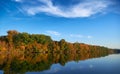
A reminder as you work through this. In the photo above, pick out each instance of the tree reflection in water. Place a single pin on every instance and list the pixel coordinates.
(28, 62)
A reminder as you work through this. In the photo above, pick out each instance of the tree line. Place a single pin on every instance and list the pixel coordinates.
(23, 52)
(34, 43)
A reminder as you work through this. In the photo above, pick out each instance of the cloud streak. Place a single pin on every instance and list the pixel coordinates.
(89, 37)
(76, 35)
(82, 9)
(80, 36)
(18, 0)
(53, 33)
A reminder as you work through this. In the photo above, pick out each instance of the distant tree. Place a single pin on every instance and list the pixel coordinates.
(63, 44)
(11, 33)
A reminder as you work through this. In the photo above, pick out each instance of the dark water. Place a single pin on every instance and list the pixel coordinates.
(61, 64)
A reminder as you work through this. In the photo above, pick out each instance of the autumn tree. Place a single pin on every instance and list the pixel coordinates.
(63, 44)
(11, 33)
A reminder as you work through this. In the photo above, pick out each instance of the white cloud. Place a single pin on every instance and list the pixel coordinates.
(84, 9)
(89, 37)
(53, 33)
(80, 36)
(18, 0)
(76, 35)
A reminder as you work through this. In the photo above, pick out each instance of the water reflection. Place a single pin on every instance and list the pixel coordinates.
(44, 63)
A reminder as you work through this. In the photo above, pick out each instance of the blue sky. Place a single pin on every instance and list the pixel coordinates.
(93, 22)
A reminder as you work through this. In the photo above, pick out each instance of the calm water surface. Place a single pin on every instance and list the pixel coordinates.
(101, 65)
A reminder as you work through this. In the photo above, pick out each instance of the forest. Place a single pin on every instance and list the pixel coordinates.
(16, 42)
(23, 52)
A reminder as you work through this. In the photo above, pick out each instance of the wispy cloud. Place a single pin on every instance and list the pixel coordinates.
(18, 0)
(80, 36)
(82, 9)
(53, 33)
(89, 37)
(76, 35)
